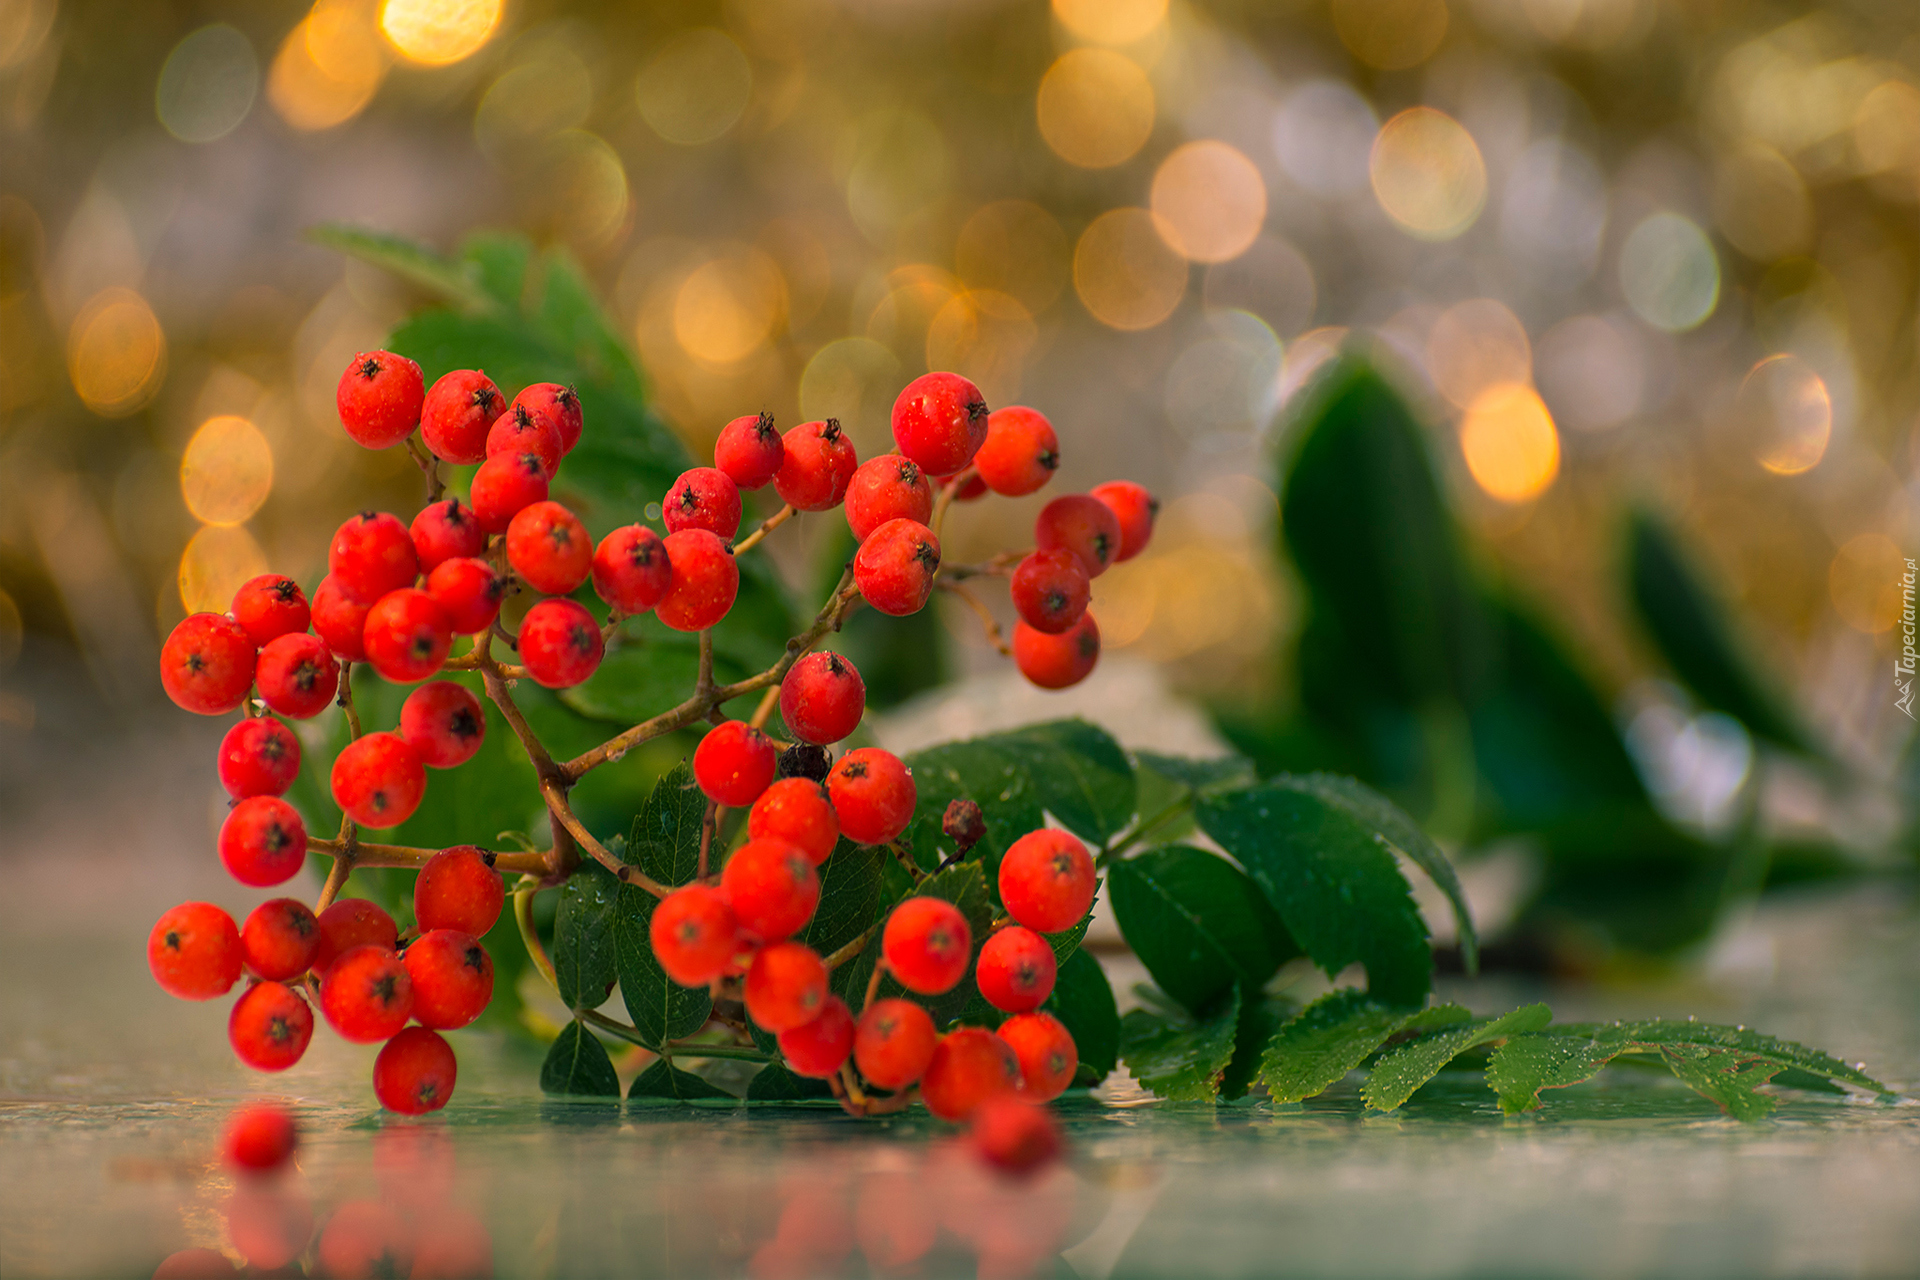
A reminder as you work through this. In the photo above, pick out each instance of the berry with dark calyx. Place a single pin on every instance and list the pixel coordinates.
(379, 398)
(786, 986)
(749, 450)
(560, 643)
(470, 592)
(703, 498)
(631, 571)
(452, 977)
(927, 945)
(263, 842)
(1021, 452)
(818, 1049)
(704, 584)
(297, 675)
(1050, 590)
(772, 888)
(207, 664)
(270, 606)
(506, 484)
(280, 939)
(459, 889)
(270, 1026)
(260, 1137)
(519, 430)
(1045, 1051)
(446, 530)
(964, 824)
(258, 757)
(549, 548)
(968, 1067)
(457, 413)
(340, 619)
(1016, 970)
(873, 795)
(415, 1072)
(895, 566)
(371, 554)
(693, 931)
(1047, 880)
(893, 1043)
(889, 487)
(804, 760)
(1083, 525)
(194, 951)
(734, 763)
(366, 994)
(378, 780)
(822, 698)
(816, 465)
(1014, 1135)
(1135, 509)
(940, 421)
(558, 404)
(1057, 662)
(796, 810)
(350, 923)
(408, 635)
(444, 723)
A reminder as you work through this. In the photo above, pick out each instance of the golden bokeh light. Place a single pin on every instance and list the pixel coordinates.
(915, 293)
(1508, 439)
(695, 88)
(328, 68)
(24, 27)
(854, 380)
(581, 187)
(898, 165)
(1208, 201)
(1095, 107)
(1761, 204)
(1669, 272)
(217, 563)
(1785, 413)
(1305, 356)
(546, 93)
(728, 308)
(1475, 344)
(1886, 134)
(1015, 247)
(1428, 174)
(1110, 21)
(1864, 582)
(1124, 272)
(987, 336)
(1198, 588)
(437, 32)
(116, 353)
(227, 471)
(1391, 35)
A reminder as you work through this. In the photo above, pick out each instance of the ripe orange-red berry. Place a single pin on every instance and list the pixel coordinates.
(895, 567)
(270, 606)
(415, 1073)
(796, 810)
(452, 977)
(378, 780)
(893, 1043)
(889, 487)
(734, 763)
(280, 939)
(206, 665)
(459, 410)
(560, 643)
(816, 465)
(270, 1026)
(1083, 525)
(1045, 1051)
(520, 430)
(366, 994)
(1021, 452)
(940, 421)
(408, 635)
(819, 1047)
(822, 698)
(772, 888)
(371, 554)
(194, 951)
(350, 923)
(259, 1138)
(470, 591)
(1047, 880)
(786, 986)
(1134, 508)
(459, 889)
(1016, 970)
(693, 933)
(297, 676)
(968, 1066)
(444, 723)
(702, 498)
(263, 841)
(549, 548)
(749, 450)
(560, 405)
(927, 945)
(446, 530)
(340, 619)
(379, 398)
(704, 583)
(506, 484)
(1057, 662)
(872, 793)
(631, 570)
(1050, 591)
(258, 757)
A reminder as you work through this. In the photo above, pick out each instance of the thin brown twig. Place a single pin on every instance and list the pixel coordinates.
(708, 824)
(852, 950)
(399, 855)
(766, 527)
(999, 566)
(873, 988)
(948, 492)
(523, 917)
(563, 813)
(996, 637)
(429, 467)
(703, 678)
(764, 712)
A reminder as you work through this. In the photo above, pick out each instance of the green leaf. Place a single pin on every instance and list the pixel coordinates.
(1198, 923)
(456, 282)
(1260, 1017)
(499, 262)
(1083, 1001)
(1083, 777)
(1200, 775)
(1723, 1076)
(577, 1064)
(850, 897)
(775, 1083)
(584, 930)
(1395, 1077)
(1526, 1064)
(665, 842)
(1331, 1037)
(647, 671)
(664, 1082)
(1179, 1057)
(1654, 1033)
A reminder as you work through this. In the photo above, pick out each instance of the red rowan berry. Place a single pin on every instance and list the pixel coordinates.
(772, 888)
(446, 530)
(893, 1043)
(895, 566)
(549, 548)
(872, 794)
(280, 939)
(817, 463)
(520, 430)
(560, 643)
(194, 951)
(444, 723)
(1016, 970)
(195, 1264)
(734, 763)
(263, 841)
(260, 1138)
(408, 635)
(1047, 880)
(258, 757)
(1045, 1051)
(350, 923)
(270, 1026)
(786, 986)
(822, 698)
(705, 581)
(818, 1048)
(1014, 1135)
(971, 490)
(693, 931)
(1050, 590)
(796, 810)
(459, 889)
(1135, 509)
(1021, 452)
(297, 675)
(457, 413)
(452, 977)
(340, 620)
(631, 571)
(378, 780)
(703, 498)
(372, 554)
(927, 945)
(940, 421)
(560, 405)
(270, 606)
(968, 1067)
(1057, 662)
(889, 487)
(470, 592)
(379, 398)
(414, 1074)
(366, 994)
(207, 664)
(1083, 525)
(749, 450)
(364, 1238)
(504, 485)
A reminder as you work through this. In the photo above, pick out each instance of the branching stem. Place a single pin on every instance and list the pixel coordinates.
(995, 636)
(766, 527)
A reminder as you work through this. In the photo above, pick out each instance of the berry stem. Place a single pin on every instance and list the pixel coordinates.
(557, 805)
(906, 861)
(1000, 566)
(947, 493)
(764, 712)
(738, 1052)
(703, 680)
(1127, 839)
(873, 987)
(530, 936)
(707, 825)
(995, 636)
(852, 949)
(766, 527)
(429, 467)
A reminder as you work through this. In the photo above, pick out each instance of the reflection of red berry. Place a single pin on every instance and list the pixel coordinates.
(1050, 591)
(749, 450)
(893, 1043)
(263, 841)
(1056, 662)
(549, 548)
(450, 1244)
(379, 398)
(260, 1137)
(889, 487)
(927, 945)
(194, 951)
(447, 530)
(894, 567)
(459, 889)
(470, 591)
(415, 1073)
(1135, 509)
(822, 698)
(1021, 452)
(194, 1264)
(364, 1238)
(940, 421)
(872, 794)
(371, 554)
(818, 1048)
(297, 675)
(280, 939)
(270, 1224)
(270, 1026)
(444, 723)
(1014, 1135)
(817, 463)
(560, 643)
(631, 570)
(1016, 970)
(519, 430)
(702, 498)
(452, 977)
(559, 404)
(968, 1066)
(704, 584)
(1046, 1053)
(772, 888)
(734, 763)
(340, 620)
(206, 664)
(693, 934)
(457, 413)
(269, 606)
(786, 986)
(258, 757)
(350, 923)
(1083, 525)
(378, 780)
(1047, 880)
(366, 994)
(408, 635)
(796, 810)
(504, 484)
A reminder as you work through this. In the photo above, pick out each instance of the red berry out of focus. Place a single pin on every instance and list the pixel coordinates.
(873, 795)
(822, 698)
(889, 487)
(1045, 1051)
(560, 405)
(260, 1138)
(631, 570)
(366, 994)
(1134, 508)
(703, 498)
(772, 888)
(549, 548)
(194, 951)
(457, 413)
(206, 665)
(470, 591)
(1014, 1135)
(1047, 880)
(893, 1043)
(1057, 662)
(452, 977)
(560, 643)
(297, 675)
(940, 421)
(415, 1072)
(341, 620)
(443, 722)
(817, 463)
(446, 530)
(371, 554)
(270, 606)
(520, 430)
(927, 945)
(818, 1048)
(1050, 591)
(1016, 970)
(693, 931)
(786, 986)
(734, 763)
(749, 450)
(280, 939)
(270, 1026)
(796, 810)
(968, 1067)
(263, 842)
(379, 398)
(1083, 525)
(350, 923)
(378, 780)
(505, 484)
(459, 889)
(704, 583)
(408, 635)
(258, 757)
(1021, 452)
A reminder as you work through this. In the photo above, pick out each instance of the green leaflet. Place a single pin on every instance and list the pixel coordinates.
(1652, 1033)
(850, 897)
(1200, 775)
(1526, 1064)
(577, 1064)
(583, 936)
(1724, 1076)
(666, 845)
(1334, 1035)
(964, 885)
(774, 1083)
(1198, 923)
(1395, 1077)
(1178, 1057)
(648, 671)
(1260, 1018)
(664, 1082)
(457, 282)
(1083, 1001)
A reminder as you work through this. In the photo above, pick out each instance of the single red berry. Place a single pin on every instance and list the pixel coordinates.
(340, 619)
(260, 1137)
(1057, 662)
(452, 977)
(560, 643)
(297, 675)
(504, 485)
(207, 663)
(704, 583)
(893, 1043)
(350, 923)
(549, 548)
(894, 567)
(822, 698)
(258, 757)
(1016, 970)
(520, 430)
(873, 795)
(631, 571)
(366, 994)
(378, 780)
(263, 841)
(1021, 452)
(365, 1238)
(372, 554)
(1014, 1135)
(1050, 590)
(734, 763)
(1045, 1051)
(379, 398)
(270, 1026)
(796, 810)
(280, 939)
(414, 1074)
(459, 889)
(889, 487)
(194, 951)
(444, 723)
(749, 450)
(703, 498)
(927, 945)
(818, 1049)
(817, 462)
(446, 530)
(408, 635)
(470, 592)
(270, 606)
(1083, 525)
(693, 932)
(1135, 509)
(940, 421)
(968, 1066)
(559, 405)
(772, 888)
(786, 986)
(457, 413)
(1047, 880)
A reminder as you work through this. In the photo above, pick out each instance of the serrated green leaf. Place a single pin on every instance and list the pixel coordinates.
(1652, 1033)
(647, 671)
(1198, 923)
(1395, 1077)
(577, 1064)
(584, 929)
(1200, 775)
(1082, 1000)
(1180, 1058)
(1526, 1064)
(1331, 1037)
(850, 902)
(1260, 1017)
(664, 1082)
(500, 263)
(456, 282)
(665, 842)
(1723, 1076)
(1067, 941)
(661, 1008)
(775, 1083)
(1082, 776)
